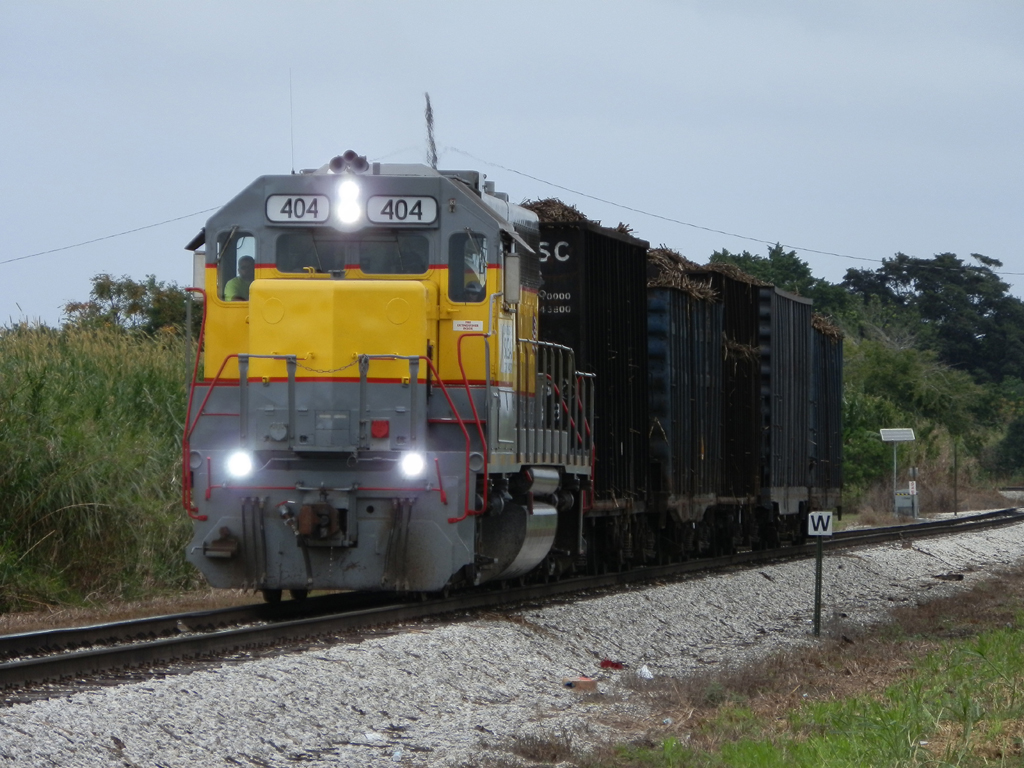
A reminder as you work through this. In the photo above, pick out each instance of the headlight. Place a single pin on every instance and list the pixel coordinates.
(412, 464)
(239, 464)
(348, 202)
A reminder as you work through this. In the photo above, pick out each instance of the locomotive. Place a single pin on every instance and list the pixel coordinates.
(421, 385)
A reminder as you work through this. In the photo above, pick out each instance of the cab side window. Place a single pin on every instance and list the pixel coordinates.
(236, 265)
(467, 267)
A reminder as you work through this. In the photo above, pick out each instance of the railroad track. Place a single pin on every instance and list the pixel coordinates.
(40, 657)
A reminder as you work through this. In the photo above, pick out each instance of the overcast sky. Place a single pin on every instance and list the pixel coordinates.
(857, 128)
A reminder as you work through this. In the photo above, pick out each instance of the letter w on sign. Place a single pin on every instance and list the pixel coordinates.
(819, 524)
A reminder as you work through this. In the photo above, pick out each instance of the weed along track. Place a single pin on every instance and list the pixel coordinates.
(77, 653)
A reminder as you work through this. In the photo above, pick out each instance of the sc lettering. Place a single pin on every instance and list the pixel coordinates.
(561, 251)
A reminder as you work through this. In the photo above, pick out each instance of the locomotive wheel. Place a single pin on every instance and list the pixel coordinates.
(298, 594)
(272, 596)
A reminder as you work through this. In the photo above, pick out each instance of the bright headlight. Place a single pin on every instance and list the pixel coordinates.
(239, 464)
(348, 190)
(349, 210)
(412, 464)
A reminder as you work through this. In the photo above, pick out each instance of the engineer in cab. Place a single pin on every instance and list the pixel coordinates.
(237, 288)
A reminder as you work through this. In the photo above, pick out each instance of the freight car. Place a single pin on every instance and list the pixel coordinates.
(763, 440)
(421, 385)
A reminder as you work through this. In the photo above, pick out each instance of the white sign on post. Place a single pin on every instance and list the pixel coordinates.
(819, 524)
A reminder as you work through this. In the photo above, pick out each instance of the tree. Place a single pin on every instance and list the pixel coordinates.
(1009, 452)
(918, 385)
(146, 307)
(964, 312)
(886, 386)
(785, 270)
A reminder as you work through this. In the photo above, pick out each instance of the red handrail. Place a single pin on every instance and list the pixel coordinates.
(440, 482)
(476, 416)
(209, 391)
(186, 483)
(466, 511)
(190, 427)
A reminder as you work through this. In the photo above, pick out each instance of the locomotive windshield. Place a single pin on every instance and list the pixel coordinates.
(377, 253)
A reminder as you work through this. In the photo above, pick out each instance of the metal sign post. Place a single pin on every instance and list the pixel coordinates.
(895, 436)
(819, 525)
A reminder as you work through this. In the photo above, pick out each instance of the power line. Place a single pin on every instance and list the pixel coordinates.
(680, 221)
(533, 178)
(107, 237)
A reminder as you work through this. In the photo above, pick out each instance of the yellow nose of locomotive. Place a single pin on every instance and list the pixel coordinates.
(328, 324)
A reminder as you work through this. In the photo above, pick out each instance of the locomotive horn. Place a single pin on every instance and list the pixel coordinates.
(350, 160)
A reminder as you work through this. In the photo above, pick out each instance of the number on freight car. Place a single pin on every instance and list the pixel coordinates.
(382, 209)
(549, 305)
(298, 208)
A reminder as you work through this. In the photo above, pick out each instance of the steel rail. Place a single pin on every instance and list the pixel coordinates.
(191, 646)
(52, 640)
(148, 628)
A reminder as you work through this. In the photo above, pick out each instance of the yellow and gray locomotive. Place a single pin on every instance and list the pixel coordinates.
(375, 409)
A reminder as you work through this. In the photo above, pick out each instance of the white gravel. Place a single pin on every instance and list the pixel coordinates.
(453, 695)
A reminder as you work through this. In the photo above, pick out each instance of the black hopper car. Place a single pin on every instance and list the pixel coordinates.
(718, 418)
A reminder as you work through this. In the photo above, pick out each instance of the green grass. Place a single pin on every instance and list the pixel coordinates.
(952, 710)
(942, 684)
(962, 704)
(90, 423)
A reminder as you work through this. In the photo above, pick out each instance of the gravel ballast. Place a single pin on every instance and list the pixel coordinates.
(453, 694)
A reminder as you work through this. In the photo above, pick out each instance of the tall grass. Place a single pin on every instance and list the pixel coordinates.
(90, 421)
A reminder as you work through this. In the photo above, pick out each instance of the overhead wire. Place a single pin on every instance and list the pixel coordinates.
(685, 223)
(456, 150)
(107, 237)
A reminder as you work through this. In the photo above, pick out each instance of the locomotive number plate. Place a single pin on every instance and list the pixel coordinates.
(298, 208)
(384, 209)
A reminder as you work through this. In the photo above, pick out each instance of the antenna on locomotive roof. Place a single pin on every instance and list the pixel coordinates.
(291, 117)
(431, 146)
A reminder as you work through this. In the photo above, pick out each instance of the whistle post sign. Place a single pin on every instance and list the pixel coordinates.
(819, 524)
